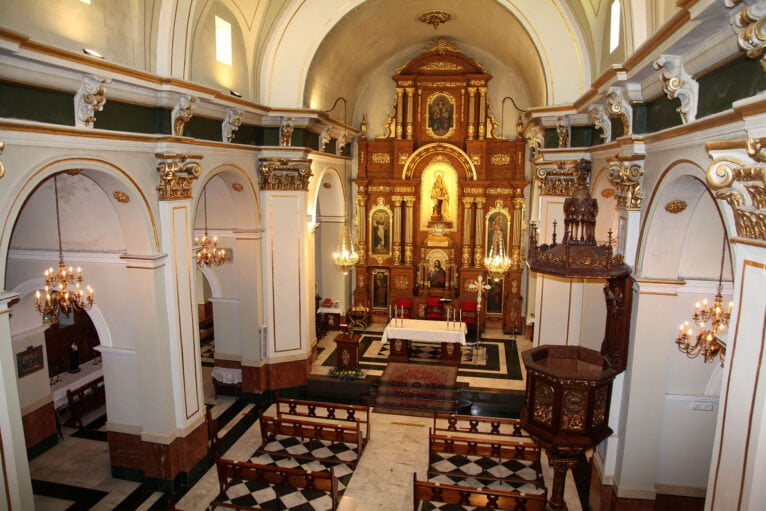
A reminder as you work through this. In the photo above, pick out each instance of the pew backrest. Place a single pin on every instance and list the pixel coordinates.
(334, 432)
(478, 497)
(321, 410)
(496, 448)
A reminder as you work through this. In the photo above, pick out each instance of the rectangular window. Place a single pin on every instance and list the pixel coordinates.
(614, 26)
(222, 41)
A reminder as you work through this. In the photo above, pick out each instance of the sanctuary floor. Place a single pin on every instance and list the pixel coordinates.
(497, 366)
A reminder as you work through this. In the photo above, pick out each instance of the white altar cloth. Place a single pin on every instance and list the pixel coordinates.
(330, 310)
(228, 375)
(89, 372)
(425, 331)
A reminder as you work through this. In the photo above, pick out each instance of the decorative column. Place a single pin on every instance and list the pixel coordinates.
(399, 111)
(467, 221)
(518, 219)
(15, 466)
(410, 101)
(478, 252)
(397, 237)
(286, 286)
(361, 227)
(471, 108)
(626, 173)
(482, 111)
(408, 230)
(177, 418)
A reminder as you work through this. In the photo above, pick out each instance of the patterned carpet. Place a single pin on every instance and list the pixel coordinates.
(416, 389)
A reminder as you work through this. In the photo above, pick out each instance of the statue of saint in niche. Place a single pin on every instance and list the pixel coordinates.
(438, 277)
(381, 229)
(440, 196)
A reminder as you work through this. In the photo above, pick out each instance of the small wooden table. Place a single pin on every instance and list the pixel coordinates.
(347, 352)
(450, 335)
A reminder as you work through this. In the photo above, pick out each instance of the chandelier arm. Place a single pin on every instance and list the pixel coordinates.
(58, 219)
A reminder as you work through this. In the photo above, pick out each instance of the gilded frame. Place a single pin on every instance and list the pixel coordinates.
(428, 112)
(380, 212)
(379, 284)
(498, 213)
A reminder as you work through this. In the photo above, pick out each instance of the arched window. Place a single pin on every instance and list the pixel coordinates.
(222, 41)
(614, 26)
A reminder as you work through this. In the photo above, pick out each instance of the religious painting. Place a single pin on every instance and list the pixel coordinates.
(441, 115)
(437, 276)
(495, 296)
(380, 230)
(438, 195)
(498, 223)
(30, 360)
(380, 289)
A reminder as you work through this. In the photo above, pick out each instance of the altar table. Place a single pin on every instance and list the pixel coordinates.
(400, 332)
(90, 371)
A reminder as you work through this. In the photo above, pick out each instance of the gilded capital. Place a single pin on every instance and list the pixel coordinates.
(467, 201)
(627, 176)
(396, 200)
(410, 201)
(177, 174)
(284, 173)
(480, 201)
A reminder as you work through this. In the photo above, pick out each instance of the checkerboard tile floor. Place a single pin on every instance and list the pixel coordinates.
(432, 353)
(479, 471)
(262, 495)
(325, 450)
(441, 506)
(341, 471)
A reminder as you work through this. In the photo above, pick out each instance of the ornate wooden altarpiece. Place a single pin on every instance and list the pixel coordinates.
(437, 190)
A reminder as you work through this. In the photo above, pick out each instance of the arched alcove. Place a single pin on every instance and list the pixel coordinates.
(330, 216)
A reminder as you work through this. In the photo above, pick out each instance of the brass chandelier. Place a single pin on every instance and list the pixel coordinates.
(345, 256)
(208, 253)
(711, 320)
(57, 298)
(497, 262)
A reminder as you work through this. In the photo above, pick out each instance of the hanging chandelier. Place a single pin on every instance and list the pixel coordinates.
(345, 256)
(711, 320)
(208, 253)
(57, 298)
(497, 262)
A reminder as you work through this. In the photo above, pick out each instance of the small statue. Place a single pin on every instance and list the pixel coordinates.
(363, 128)
(563, 131)
(440, 197)
(286, 132)
(74, 358)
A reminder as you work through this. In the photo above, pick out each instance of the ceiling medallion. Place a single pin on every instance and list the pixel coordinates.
(237, 187)
(607, 193)
(435, 17)
(675, 206)
(327, 185)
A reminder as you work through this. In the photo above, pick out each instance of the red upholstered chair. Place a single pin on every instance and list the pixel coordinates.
(469, 314)
(405, 303)
(433, 308)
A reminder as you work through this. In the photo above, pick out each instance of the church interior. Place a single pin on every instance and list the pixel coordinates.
(383, 255)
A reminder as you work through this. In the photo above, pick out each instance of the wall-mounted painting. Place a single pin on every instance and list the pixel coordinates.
(380, 230)
(379, 289)
(441, 115)
(29, 360)
(495, 297)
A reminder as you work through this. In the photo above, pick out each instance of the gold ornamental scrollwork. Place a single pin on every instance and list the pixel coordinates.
(441, 66)
(284, 174)
(738, 177)
(500, 159)
(380, 158)
(177, 174)
(121, 197)
(676, 206)
(626, 176)
(401, 282)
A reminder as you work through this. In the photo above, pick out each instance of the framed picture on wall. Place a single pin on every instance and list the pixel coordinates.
(29, 360)
(495, 296)
(380, 289)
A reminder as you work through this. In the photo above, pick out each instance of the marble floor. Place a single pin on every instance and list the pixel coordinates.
(326, 346)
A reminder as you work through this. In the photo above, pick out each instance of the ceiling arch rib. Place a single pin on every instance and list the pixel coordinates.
(355, 36)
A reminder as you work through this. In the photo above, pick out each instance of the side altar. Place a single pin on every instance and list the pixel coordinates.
(437, 192)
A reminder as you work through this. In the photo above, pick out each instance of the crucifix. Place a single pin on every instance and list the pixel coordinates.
(480, 288)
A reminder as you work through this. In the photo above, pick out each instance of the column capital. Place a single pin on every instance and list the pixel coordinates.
(467, 201)
(284, 173)
(410, 201)
(396, 200)
(177, 175)
(480, 201)
(626, 174)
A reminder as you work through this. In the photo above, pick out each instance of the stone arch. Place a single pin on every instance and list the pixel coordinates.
(333, 196)
(665, 235)
(141, 237)
(248, 211)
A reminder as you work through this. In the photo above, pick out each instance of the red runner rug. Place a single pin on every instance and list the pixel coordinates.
(416, 389)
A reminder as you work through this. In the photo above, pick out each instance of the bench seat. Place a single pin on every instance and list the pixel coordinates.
(262, 495)
(341, 471)
(484, 467)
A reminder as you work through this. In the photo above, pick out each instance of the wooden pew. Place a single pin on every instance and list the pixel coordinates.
(453, 423)
(330, 411)
(235, 472)
(495, 448)
(84, 399)
(306, 429)
(424, 491)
